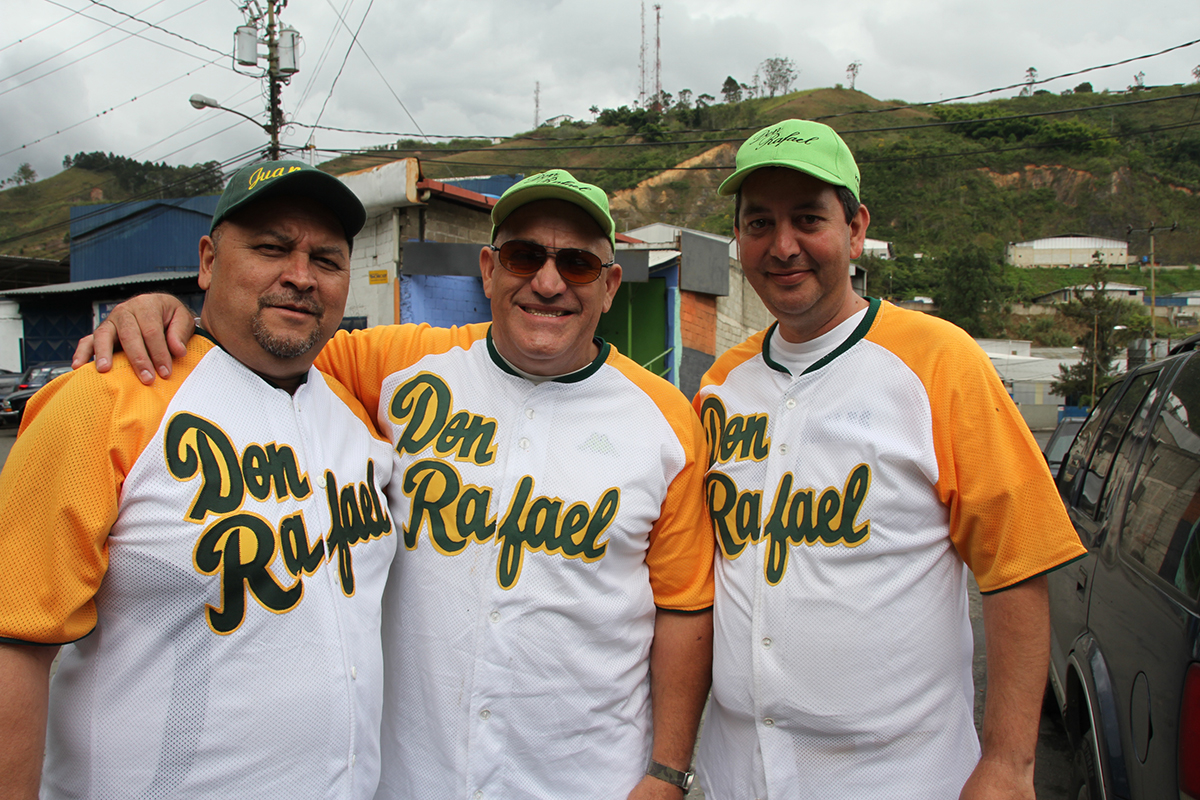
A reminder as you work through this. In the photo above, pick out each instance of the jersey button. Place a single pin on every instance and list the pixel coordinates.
(783, 449)
(321, 481)
(770, 723)
(485, 714)
(767, 642)
(353, 673)
(529, 413)
(790, 403)
(524, 443)
(478, 795)
(494, 616)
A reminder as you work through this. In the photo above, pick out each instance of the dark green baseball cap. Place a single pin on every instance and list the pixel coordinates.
(556, 184)
(265, 179)
(799, 144)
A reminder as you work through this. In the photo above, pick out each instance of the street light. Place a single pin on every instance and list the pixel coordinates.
(200, 101)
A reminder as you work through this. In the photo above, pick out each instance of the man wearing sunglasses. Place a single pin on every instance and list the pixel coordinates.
(547, 623)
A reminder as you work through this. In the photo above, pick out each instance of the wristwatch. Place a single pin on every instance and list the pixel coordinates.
(672, 776)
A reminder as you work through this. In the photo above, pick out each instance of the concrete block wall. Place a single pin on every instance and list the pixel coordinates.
(454, 223)
(740, 313)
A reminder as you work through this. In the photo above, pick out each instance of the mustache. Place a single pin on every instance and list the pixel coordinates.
(295, 299)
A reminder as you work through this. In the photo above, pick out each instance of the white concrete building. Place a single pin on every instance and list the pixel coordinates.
(1070, 250)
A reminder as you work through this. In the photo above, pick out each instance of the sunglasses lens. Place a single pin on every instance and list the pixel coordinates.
(577, 266)
(522, 258)
(526, 258)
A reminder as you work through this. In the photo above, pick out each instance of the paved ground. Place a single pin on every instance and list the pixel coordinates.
(1053, 755)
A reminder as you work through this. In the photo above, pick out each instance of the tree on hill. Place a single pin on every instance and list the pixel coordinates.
(24, 176)
(778, 75)
(1109, 325)
(973, 289)
(1084, 88)
(148, 178)
(731, 90)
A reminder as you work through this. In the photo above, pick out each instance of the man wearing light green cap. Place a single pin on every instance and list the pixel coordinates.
(547, 624)
(862, 459)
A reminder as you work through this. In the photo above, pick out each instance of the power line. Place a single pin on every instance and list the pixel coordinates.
(105, 47)
(164, 30)
(861, 160)
(847, 132)
(99, 114)
(39, 31)
(376, 68)
(345, 58)
(108, 26)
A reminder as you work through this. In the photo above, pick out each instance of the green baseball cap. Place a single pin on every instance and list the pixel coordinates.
(799, 144)
(272, 178)
(556, 184)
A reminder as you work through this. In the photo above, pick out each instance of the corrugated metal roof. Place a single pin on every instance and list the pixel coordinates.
(1073, 242)
(100, 283)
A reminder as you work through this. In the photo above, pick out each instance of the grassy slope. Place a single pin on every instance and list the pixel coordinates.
(929, 189)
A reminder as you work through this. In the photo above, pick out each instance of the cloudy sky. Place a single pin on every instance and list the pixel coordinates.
(77, 75)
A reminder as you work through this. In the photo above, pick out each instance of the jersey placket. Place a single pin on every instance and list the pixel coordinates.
(787, 421)
(318, 522)
(524, 452)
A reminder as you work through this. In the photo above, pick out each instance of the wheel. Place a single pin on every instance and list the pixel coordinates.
(1085, 776)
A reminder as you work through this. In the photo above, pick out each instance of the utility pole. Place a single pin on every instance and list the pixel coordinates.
(537, 103)
(1129, 231)
(273, 83)
(262, 28)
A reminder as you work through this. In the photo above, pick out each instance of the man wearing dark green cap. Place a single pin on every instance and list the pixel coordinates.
(863, 458)
(188, 547)
(547, 626)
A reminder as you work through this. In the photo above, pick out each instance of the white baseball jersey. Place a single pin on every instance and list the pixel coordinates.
(846, 501)
(542, 523)
(216, 550)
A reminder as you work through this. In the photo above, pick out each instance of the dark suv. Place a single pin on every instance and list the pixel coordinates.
(1124, 646)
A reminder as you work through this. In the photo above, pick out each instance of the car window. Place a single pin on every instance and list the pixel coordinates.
(1064, 434)
(1160, 530)
(1096, 474)
(1082, 447)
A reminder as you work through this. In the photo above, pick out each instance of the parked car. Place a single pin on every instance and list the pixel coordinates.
(1125, 657)
(12, 405)
(9, 380)
(1060, 440)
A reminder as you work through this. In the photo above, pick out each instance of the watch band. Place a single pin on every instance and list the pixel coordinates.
(672, 776)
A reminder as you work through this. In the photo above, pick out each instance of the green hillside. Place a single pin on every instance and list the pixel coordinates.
(935, 178)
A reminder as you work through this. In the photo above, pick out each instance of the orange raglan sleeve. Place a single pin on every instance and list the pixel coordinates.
(680, 555)
(1006, 519)
(60, 494)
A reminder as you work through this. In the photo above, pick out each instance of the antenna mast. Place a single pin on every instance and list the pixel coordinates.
(657, 57)
(537, 103)
(642, 63)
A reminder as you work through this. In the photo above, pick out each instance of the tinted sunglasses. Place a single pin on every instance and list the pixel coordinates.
(578, 267)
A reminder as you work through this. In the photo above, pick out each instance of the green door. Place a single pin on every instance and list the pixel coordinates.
(637, 323)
